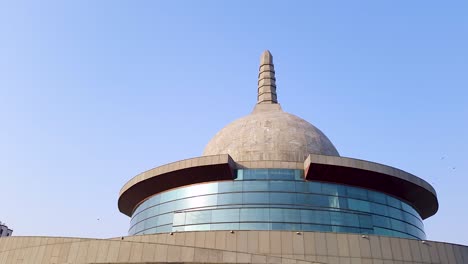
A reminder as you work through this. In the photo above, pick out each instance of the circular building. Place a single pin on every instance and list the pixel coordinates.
(272, 170)
(269, 188)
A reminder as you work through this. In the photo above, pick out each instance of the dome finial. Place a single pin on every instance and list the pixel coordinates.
(266, 80)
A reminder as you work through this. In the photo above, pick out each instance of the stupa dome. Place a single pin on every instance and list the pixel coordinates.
(269, 133)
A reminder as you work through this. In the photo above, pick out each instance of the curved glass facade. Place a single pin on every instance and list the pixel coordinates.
(276, 199)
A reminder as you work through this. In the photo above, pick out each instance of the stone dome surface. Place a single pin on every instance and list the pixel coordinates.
(270, 135)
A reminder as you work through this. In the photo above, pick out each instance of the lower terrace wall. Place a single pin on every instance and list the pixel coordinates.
(226, 247)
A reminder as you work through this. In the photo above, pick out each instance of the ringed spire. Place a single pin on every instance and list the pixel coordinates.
(266, 80)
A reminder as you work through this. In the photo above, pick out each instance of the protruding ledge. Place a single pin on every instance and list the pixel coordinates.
(173, 175)
(370, 175)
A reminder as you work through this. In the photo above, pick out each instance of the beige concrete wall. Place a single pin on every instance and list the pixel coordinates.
(226, 247)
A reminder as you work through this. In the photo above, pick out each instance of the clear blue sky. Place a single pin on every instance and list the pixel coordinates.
(94, 92)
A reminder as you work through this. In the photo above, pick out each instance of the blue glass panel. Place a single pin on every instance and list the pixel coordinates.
(408, 218)
(165, 219)
(365, 221)
(154, 200)
(307, 216)
(320, 228)
(406, 207)
(179, 219)
(366, 231)
(357, 193)
(164, 229)
(352, 219)
(285, 226)
(383, 231)
(149, 231)
(381, 221)
(255, 226)
(276, 215)
(229, 198)
(225, 215)
(393, 202)
(282, 198)
(240, 175)
(140, 226)
(318, 200)
(150, 222)
(401, 234)
(379, 209)
(377, 197)
(179, 205)
(136, 218)
(281, 174)
(302, 198)
(321, 217)
(397, 225)
(314, 187)
(299, 175)
(254, 214)
(202, 189)
(395, 213)
(139, 208)
(168, 196)
(204, 227)
(333, 201)
(178, 228)
(412, 211)
(333, 189)
(246, 174)
(225, 226)
(137, 222)
(414, 221)
(260, 174)
(301, 186)
(230, 186)
(201, 201)
(198, 217)
(291, 215)
(358, 205)
(257, 174)
(344, 219)
(412, 231)
(133, 222)
(282, 186)
(145, 203)
(252, 186)
(152, 211)
(285, 203)
(336, 218)
(345, 229)
(343, 203)
(256, 198)
(166, 208)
